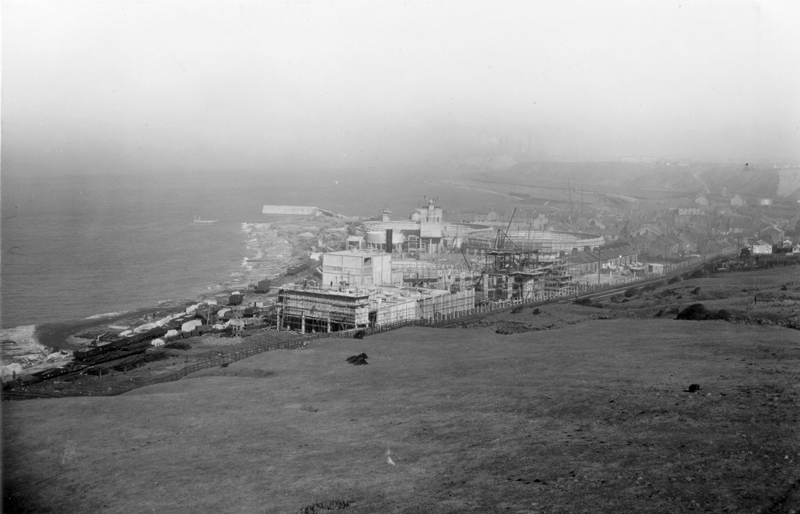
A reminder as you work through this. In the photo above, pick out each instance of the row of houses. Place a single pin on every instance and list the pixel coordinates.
(588, 262)
(764, 248)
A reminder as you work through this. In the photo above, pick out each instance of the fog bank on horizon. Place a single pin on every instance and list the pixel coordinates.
(108, 86)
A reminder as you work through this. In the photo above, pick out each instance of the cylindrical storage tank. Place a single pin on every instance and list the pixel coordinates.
(375, 237)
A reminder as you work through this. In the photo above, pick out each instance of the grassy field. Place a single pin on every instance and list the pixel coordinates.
(590, 417)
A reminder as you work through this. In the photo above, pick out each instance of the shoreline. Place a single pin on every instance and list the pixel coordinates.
(272, 246)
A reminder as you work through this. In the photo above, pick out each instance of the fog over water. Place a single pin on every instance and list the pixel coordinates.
(100, 87)
(343, 105)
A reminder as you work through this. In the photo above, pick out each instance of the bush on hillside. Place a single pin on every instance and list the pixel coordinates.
(698, 312)
(722, 314)
(694, 312)
(631, 292)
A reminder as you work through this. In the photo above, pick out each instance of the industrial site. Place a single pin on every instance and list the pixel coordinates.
(313, 271)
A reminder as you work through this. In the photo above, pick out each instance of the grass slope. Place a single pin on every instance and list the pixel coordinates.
(588, 418)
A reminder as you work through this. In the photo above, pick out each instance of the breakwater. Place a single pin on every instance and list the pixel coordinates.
(297, 210)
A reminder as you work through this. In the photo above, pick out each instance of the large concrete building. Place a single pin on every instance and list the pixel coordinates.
(425, 232)
(355, 268)
(333, 310)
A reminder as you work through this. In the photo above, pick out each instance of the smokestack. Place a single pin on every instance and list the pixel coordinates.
(389, 244)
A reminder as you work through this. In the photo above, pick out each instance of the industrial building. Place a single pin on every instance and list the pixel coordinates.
(425, 232)
(356, 268)
(523, 275)
(541, 241)
(367, 289)
(332, 310)
(365, 286)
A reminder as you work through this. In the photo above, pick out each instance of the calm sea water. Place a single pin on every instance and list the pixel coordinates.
(76, 246)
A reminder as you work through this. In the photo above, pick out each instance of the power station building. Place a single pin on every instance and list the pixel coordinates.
(356, 268)
(425, 232)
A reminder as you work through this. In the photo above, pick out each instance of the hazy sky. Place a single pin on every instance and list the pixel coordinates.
(104, 86)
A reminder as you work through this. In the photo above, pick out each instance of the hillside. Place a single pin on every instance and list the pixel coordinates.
(638, 178)
(575, 414)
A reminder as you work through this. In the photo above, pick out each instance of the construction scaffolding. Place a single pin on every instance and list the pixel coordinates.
(329, 310)
(521, 275)
(322, 310)
(446, 275)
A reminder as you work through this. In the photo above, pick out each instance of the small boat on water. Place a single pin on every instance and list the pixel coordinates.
(198, 220)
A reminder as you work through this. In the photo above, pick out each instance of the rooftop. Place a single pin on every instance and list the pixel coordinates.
(357, 253)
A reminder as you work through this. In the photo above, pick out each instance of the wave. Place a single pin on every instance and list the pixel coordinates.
(107, 315)
(26, 348)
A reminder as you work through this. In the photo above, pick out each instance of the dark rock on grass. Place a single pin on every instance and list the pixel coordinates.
(358, 360)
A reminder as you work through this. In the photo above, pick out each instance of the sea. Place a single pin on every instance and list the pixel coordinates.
(81, 245)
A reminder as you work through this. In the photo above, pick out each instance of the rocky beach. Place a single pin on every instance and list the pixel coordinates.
(272, 247)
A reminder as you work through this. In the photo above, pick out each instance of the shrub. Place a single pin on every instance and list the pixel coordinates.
(360, 334)
(695, 312)
(631, 292)
(536, 311)
(722, 314)
(674, 280)
(517, 309)
(584, 301)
